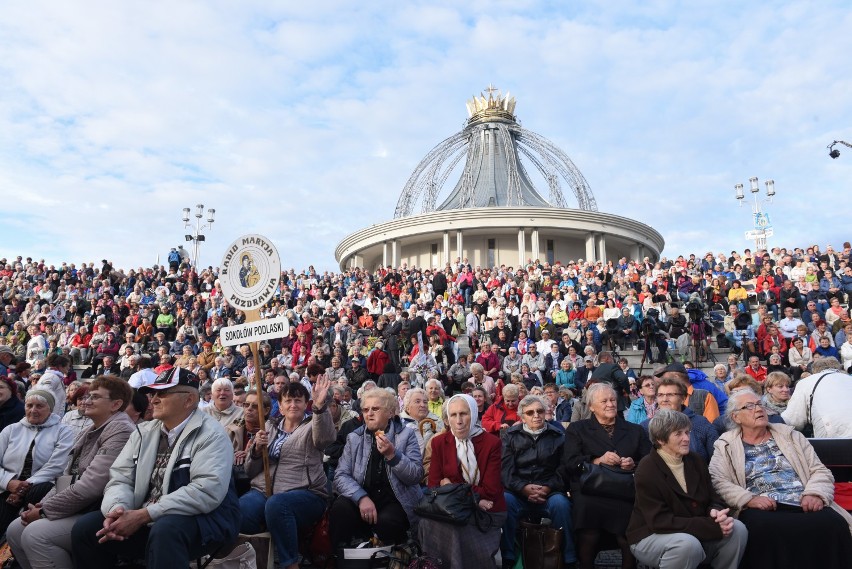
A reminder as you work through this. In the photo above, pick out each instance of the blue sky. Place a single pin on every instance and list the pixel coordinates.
(303, 122)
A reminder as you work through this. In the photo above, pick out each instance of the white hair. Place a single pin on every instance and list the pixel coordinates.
(222, 383)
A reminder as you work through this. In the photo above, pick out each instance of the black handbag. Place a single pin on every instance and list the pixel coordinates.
(607, 482)
(451, 503)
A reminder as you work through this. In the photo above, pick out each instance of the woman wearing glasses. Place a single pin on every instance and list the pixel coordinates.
(377, 480)
(784, 494)
(532, 452)
(42, 535)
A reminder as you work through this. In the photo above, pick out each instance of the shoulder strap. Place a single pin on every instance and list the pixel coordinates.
(808, 420)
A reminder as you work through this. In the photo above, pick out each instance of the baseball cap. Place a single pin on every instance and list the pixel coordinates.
(174, 377)
(589, 359)
(676, 367)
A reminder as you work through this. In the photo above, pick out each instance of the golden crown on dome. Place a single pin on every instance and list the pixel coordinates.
(492, 107)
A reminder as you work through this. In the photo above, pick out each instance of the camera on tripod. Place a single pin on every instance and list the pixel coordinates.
(695, 310)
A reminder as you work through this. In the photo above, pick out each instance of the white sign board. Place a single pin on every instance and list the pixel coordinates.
(255, 331)
(758, 233)
(250, 273)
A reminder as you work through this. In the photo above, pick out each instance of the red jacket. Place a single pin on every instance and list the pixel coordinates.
(445, 464)
(497, 415)
(376, 362)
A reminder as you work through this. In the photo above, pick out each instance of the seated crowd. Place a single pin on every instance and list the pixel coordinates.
(163, 449)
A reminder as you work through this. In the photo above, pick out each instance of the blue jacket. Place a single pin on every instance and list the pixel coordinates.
(405, 471)
(637, 413)
(699, 380)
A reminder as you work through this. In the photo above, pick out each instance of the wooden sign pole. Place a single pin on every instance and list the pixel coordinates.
(254, 316)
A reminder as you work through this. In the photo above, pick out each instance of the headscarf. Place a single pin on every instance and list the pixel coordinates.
(464, 447)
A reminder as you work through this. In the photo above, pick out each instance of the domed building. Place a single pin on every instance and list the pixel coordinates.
(497, 212)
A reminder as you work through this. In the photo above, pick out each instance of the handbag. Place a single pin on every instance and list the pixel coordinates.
(607, 482)
(451, 503)
(541, 546)
(241, 557)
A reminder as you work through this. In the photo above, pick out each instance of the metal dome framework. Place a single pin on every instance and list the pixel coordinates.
(493, 145)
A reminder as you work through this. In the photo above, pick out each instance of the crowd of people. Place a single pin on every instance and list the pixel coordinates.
(396, 382)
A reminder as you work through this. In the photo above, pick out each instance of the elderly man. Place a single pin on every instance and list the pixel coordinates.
(170, 498)
(223, 408)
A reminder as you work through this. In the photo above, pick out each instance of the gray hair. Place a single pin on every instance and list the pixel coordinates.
(387, 399)
(222, 383)
(734, 405)
(436, 382)
(529, 400)
(664, 423)
(476, 367)
(593, 390)
(411, 393)
(511, 389)
(823, 364)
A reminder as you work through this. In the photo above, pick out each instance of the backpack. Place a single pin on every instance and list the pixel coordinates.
(697, 400)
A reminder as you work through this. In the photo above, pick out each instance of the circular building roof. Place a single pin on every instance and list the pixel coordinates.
(497, 153)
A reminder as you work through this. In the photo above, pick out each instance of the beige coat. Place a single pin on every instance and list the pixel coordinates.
(727, 468)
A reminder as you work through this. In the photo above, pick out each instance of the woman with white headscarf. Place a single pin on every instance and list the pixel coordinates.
(466, 453)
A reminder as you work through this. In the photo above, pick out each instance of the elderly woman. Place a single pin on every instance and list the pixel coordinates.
(43, 537)
(531, 462)
(479, 378)
(222, 406)
(645, 406)
(295, 444)
(29, 464)
(468, 454)
(504, 413)
(75, 418)
(607, 439)
(678, 521)
(776, 392)
(770, 473)
(378, 477)
(435, 393)
(417, 417)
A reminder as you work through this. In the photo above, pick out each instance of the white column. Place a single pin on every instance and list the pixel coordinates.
(602, 249)
(590, 247)
(384, 254)
(394, 254)
(536, 251)
(460, 244)
(522, 247)
(637, 252)
(446, 249)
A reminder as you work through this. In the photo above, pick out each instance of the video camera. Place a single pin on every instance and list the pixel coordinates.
(742, 322)
(695, 309)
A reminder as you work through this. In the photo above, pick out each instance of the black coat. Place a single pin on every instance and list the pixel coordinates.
(585, 441)
(612, 374)
(532, 461)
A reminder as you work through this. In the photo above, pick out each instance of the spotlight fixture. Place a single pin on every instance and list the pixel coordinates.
(833, 152)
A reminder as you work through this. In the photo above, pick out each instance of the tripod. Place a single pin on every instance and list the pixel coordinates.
(698, 342)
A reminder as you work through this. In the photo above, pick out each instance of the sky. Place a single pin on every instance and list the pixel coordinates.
(303, 121)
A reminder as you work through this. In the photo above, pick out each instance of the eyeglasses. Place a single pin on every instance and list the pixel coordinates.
(668, 395)
(367, 410)
(94, 397)
(531, 412)
(751, 406)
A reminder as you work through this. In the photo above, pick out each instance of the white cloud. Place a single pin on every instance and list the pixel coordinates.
(304, 123)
